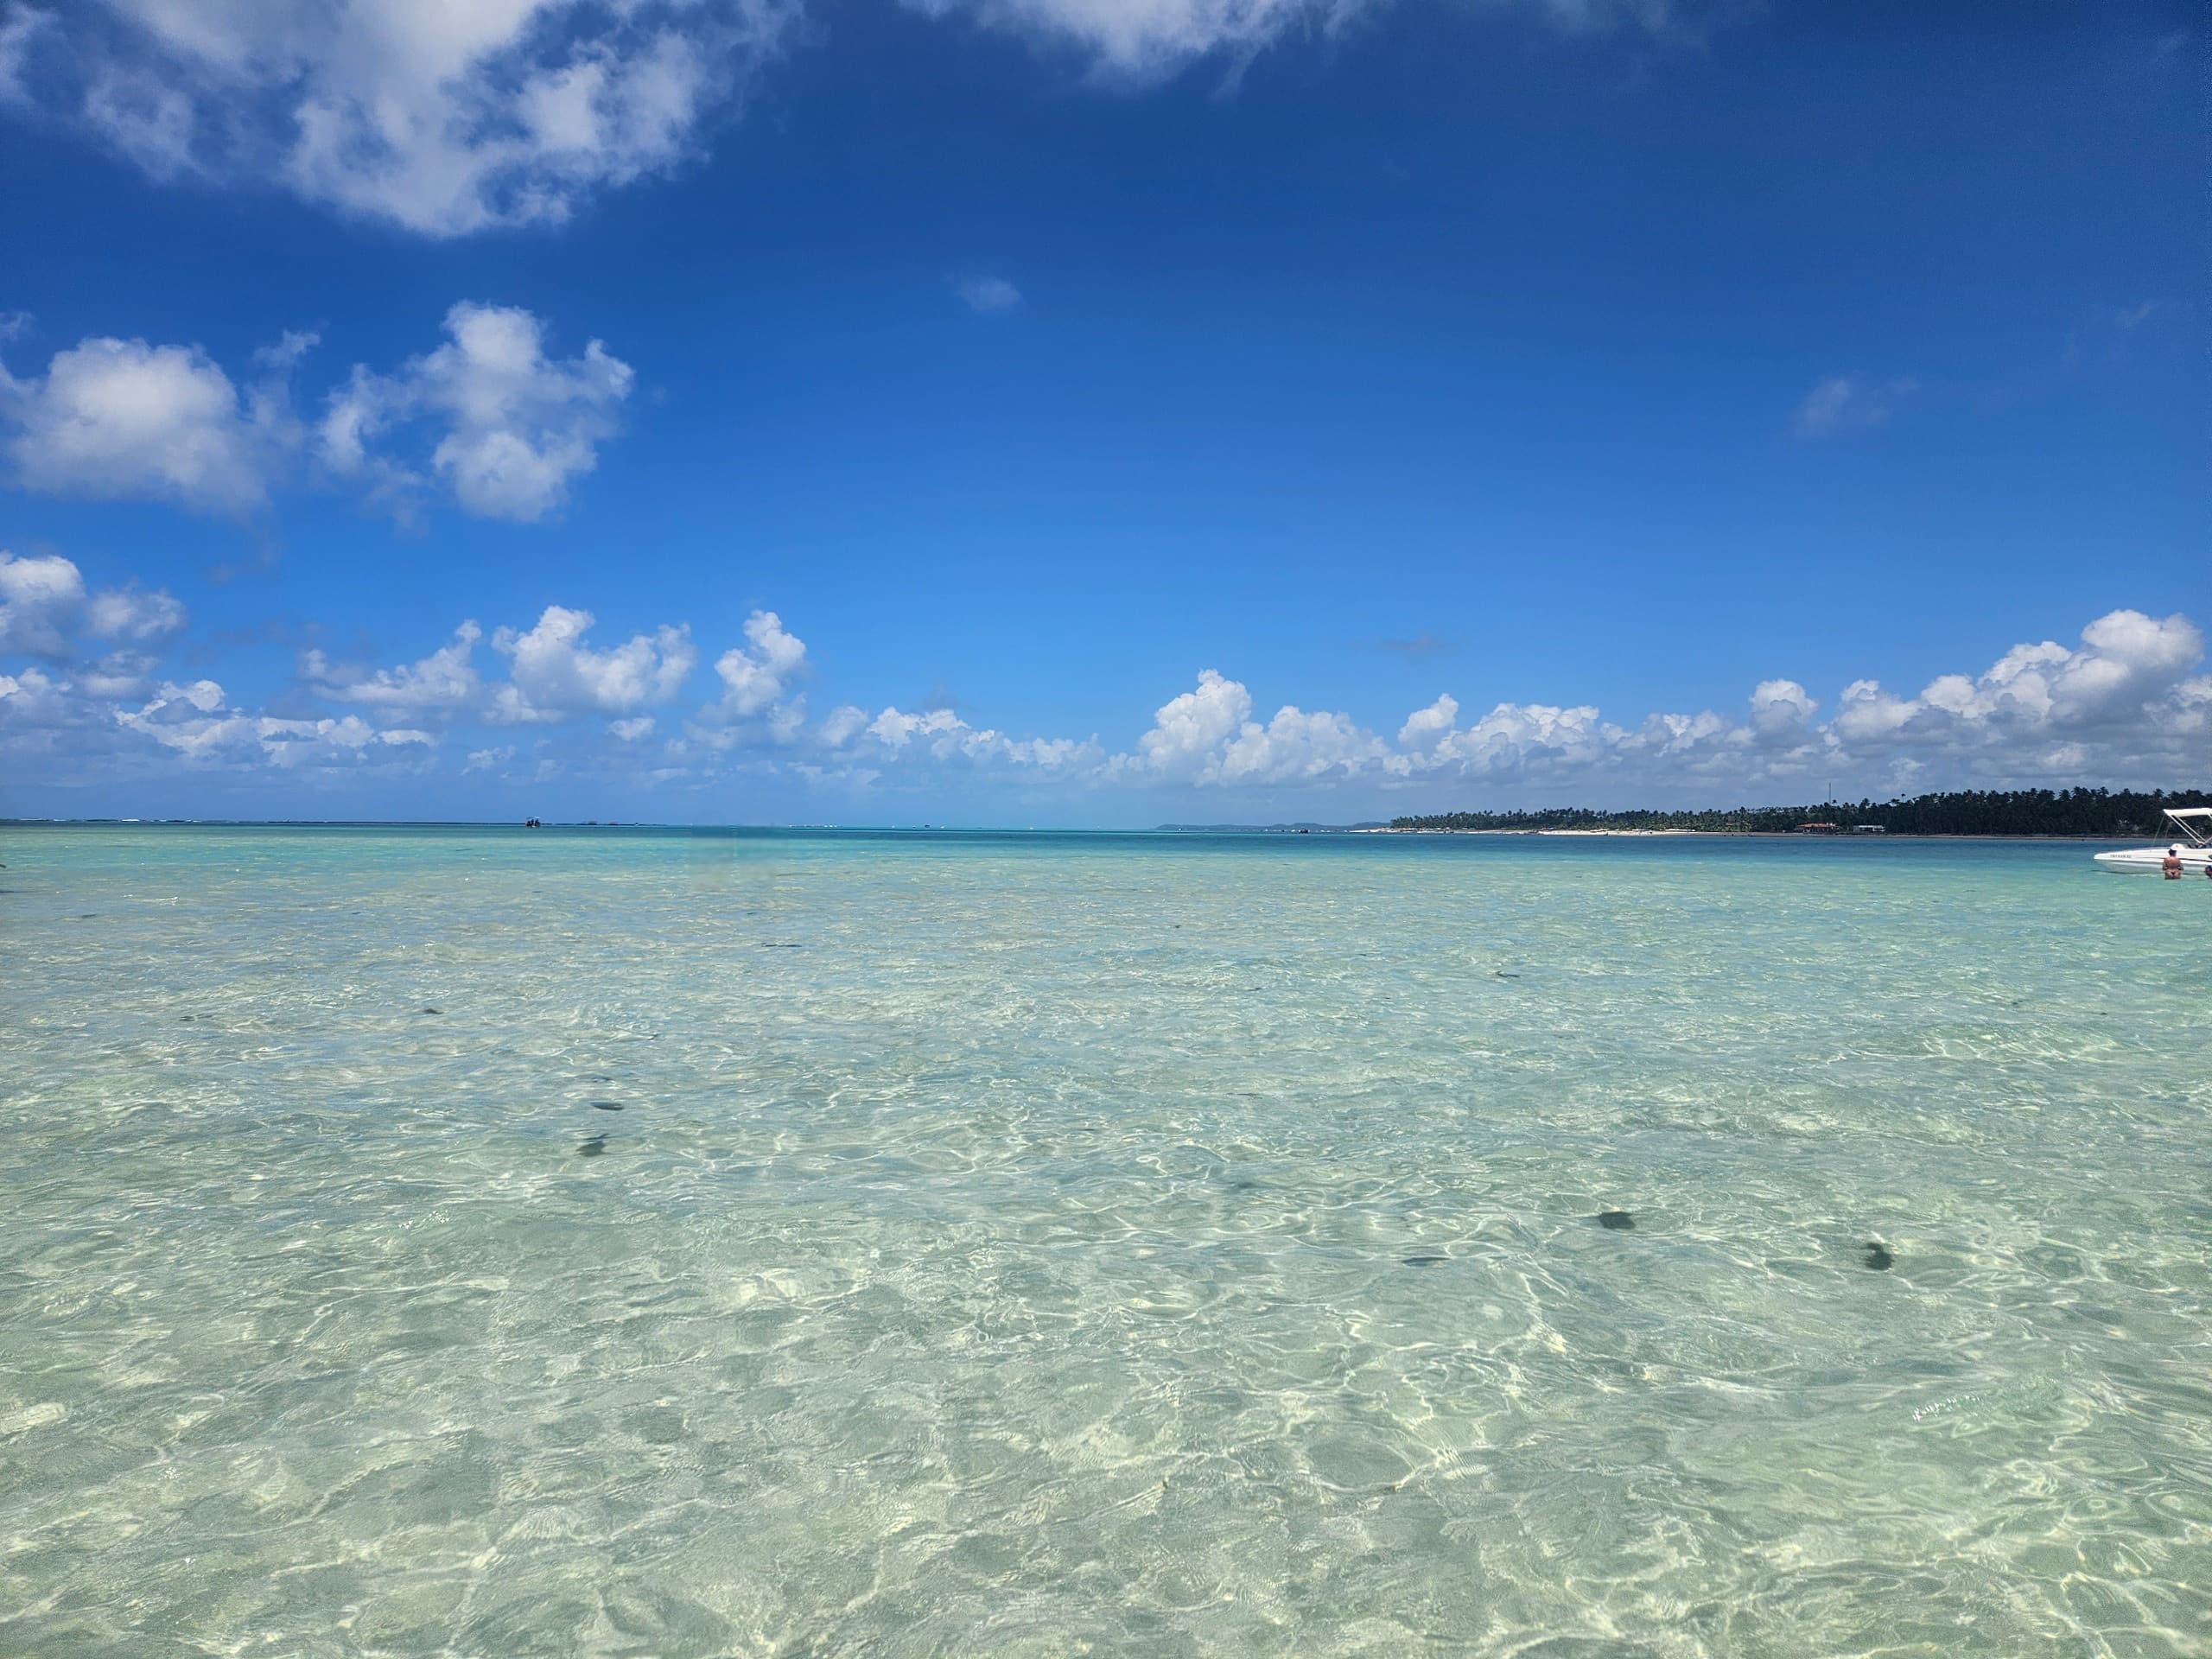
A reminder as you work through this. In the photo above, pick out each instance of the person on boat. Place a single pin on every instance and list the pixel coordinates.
(2171, 868)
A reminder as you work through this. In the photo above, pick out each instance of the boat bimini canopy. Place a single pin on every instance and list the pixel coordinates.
(2194, 822)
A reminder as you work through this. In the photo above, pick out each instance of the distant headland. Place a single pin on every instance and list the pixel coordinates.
(2088, 814)
(2096, 814)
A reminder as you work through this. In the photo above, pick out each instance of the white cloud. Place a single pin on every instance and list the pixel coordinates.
(440, 118)
(987, 293)
(39, 601)
(45, 610)
(2130, 702)
(196, 723)
(2127, 673)
(444, 681)
(1512, 737)
(2117, 706)
(1299, 748)
(515, 426)
(133, 614)
(940, 734)
(119, 674)
(448, 119)
(1781, 708)
(504, 427)
(754, 675)
(1207, 736)
(1143, 40)
(553, 673)
(23, 29)
(1847, 403)
(756, 680)
(120, 417)
(845, 723)
(1189, 731)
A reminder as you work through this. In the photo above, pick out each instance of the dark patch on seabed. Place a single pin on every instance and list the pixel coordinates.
(607, 1105)
(1617, 1220)
(1878, 1257)
(593, 1148)
(1426, 1261)
(426, 1009)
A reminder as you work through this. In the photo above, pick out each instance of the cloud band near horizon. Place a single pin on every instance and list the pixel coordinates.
(88, 697)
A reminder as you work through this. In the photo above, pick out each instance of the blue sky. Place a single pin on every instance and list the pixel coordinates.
(1073, 411)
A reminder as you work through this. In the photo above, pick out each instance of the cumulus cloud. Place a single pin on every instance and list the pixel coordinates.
(45, 610)
(1512, 738)
(444, 681)
(553, 674)
(40, 599)
(1206, 735)
(1781, 708)
(2128, 702)
(1189, 731)
(753, 674)
(844, 724)
(940, 734)
(757, 678)
(197, 723)
(2122, 703)
(132, 613)
(505, 428)
(120, 417)
(513, 427)
(2127, 665)
(441, 119)
(1848, 403)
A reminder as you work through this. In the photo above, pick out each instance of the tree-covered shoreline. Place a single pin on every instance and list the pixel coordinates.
(2101, 814)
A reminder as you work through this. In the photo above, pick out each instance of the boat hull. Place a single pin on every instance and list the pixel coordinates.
(2150, 860)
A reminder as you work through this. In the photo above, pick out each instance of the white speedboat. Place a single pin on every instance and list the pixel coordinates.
(2192, 827)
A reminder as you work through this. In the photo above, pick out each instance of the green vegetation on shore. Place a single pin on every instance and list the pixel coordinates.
(2112, 814)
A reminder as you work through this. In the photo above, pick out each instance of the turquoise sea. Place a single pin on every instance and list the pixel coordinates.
(483, 1243)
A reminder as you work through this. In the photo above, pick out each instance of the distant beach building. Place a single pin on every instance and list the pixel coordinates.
(1818, 829)
(1870, 830)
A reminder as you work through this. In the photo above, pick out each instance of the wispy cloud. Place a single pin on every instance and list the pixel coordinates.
(441, 119)
(1848, 403)
(986, 293)
(446, 120)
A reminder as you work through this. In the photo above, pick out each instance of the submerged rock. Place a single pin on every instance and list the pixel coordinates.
(1426, 1261)
(1878, 1257)
(1617, 1220)
(607, 1105)
(591, 1148)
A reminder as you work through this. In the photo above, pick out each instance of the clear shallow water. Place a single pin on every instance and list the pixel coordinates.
(1046, 1244)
